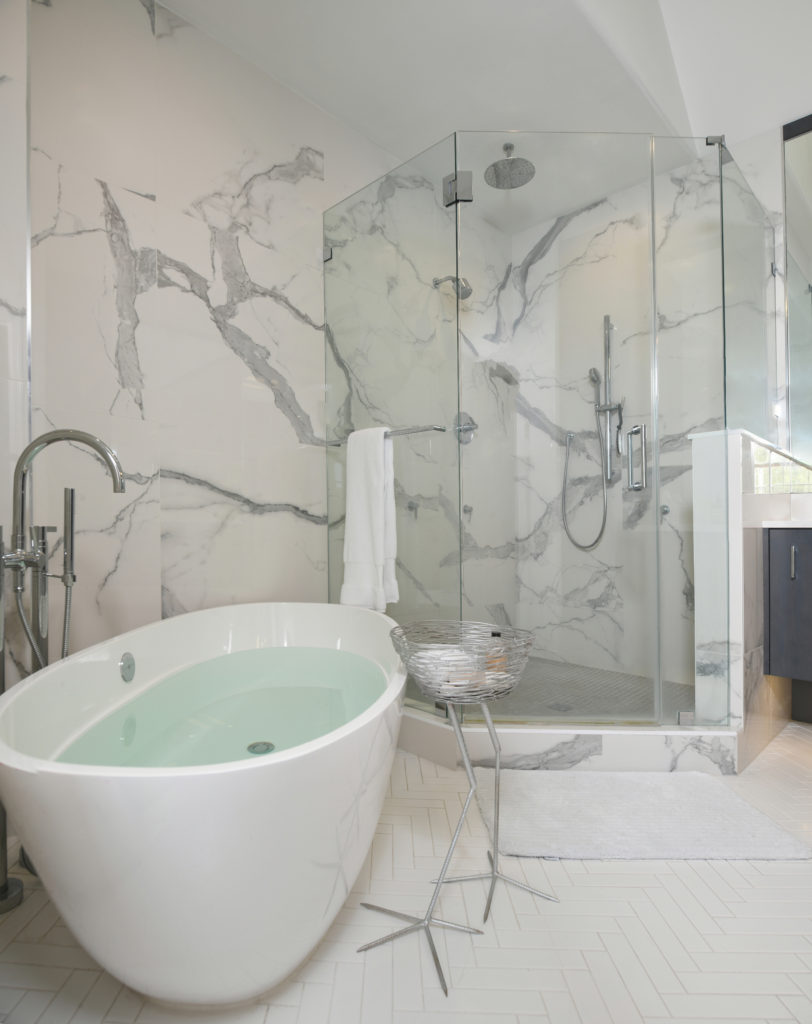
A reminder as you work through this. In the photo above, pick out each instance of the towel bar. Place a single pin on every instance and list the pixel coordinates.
(400, 432)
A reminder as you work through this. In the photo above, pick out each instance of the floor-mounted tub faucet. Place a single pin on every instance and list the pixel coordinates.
(31, 552)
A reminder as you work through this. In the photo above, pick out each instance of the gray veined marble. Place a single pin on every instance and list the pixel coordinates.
(564, 755)
(212, 492)
(251, 203)
(713, 658)
(256, 357)
(135, 273)
(527, 338)
(716, 751)
(149, 7)
(12, 309)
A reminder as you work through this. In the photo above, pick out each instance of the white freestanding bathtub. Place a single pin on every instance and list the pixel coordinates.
(190, 876)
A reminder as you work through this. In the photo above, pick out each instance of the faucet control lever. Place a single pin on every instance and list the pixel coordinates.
(619, 434)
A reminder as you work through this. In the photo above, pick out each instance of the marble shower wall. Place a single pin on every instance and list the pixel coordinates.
(528, 334)
(177, 197)
(543, 277)
(538, 322)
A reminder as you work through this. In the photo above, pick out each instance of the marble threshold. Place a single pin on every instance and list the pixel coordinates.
(588, 748)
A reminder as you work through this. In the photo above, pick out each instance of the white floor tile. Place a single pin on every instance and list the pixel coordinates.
(683, 942)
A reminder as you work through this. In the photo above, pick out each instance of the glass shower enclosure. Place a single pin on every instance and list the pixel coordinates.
(546, 313)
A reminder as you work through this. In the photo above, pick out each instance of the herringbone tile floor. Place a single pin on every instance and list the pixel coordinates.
(678, 942)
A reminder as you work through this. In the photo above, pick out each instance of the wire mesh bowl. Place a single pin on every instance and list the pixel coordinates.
(462, 662)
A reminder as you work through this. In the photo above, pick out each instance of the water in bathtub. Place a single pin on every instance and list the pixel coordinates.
(240, 705)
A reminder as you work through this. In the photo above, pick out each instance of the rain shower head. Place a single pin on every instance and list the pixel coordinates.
(461, 285)
(511, 172)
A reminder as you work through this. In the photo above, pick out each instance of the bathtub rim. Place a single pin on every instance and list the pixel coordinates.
(14, 759)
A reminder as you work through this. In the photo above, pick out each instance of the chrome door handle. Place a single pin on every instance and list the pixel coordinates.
(639, 430)
(792, 551)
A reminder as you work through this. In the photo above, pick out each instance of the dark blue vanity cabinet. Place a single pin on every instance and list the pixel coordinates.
(788, 602)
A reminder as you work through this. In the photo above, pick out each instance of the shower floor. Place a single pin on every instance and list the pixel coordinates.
(558, 691)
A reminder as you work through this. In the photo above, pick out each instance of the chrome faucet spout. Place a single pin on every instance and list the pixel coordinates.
(29, 453)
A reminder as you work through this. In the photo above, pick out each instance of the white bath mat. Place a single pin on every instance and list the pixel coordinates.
(577, 815)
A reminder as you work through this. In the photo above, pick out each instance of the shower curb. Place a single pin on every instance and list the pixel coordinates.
(580, 748)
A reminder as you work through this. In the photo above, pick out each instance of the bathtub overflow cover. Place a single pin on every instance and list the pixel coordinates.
(127, 667)
(260, 747)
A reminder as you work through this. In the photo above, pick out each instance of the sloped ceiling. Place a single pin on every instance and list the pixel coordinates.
(743, 65)
(407, 74)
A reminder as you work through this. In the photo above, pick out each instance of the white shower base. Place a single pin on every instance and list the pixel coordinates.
(580, 695)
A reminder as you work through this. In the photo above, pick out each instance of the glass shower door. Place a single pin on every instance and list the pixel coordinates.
(559, 488)
(391, 360)
(690, 402)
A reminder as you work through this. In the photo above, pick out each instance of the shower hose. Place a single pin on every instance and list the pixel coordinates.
(29, 633)
(595, 542)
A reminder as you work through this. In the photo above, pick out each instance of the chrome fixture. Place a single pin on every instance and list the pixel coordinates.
(458, 188)
(28, 455)
(464, 427)
(126, 666)
(400, 432)
(461, 285)
(260, 747)
(32, 552)
(639, 430)
(510, 172)
(606, 408)
(592, 544)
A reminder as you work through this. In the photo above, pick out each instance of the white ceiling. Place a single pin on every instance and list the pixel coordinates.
(407, 73)
(743, 64)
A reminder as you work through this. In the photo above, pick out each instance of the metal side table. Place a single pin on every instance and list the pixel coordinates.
(460, 663)
(493, 855)
(423, 923)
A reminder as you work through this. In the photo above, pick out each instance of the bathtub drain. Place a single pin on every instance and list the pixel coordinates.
(260, 747)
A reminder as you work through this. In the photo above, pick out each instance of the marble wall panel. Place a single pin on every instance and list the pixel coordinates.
(14, 370)
(544, 318)
(13, 216)
(177, 198)
(392, 360)
(529, 333)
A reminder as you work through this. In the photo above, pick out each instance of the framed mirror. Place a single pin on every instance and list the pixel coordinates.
(798, 214)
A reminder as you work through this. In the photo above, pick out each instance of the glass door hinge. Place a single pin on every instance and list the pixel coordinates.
(458, 188)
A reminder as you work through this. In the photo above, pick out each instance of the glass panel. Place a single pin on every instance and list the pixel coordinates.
(750, 348)
(799, 328)
(798, 199)
(690, 402)
(560, 268)
(392, 360)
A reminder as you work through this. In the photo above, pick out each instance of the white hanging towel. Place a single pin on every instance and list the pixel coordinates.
(370, 542)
